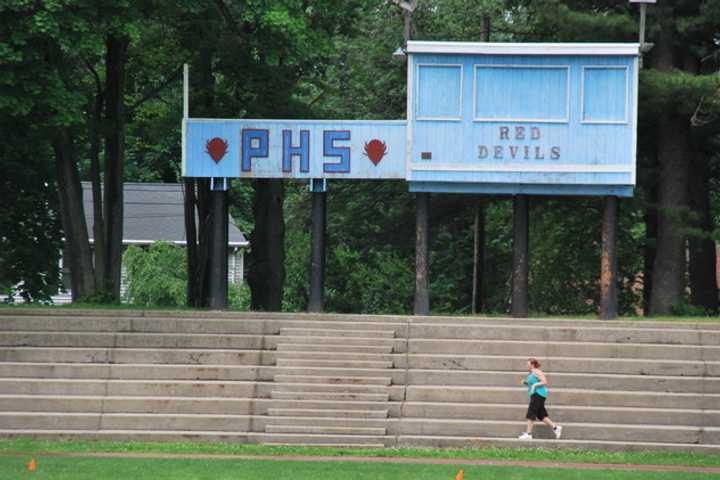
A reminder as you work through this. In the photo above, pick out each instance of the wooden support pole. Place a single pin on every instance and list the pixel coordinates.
(422, 235)
(608, 268)
(218, 281)
(521, 264)
(317, 262)
(478, 256)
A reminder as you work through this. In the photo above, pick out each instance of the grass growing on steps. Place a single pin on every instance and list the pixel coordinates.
(170, 310)
(30, 446)
(218, 469)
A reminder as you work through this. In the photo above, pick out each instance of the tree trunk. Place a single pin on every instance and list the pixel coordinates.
(668, 280)
(267, 246)
(650, 218)
(674, 153)
(702, 267)
(98, 224)
(73, 218)
(115, 60)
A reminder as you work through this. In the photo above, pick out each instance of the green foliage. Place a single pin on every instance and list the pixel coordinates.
(156, 276)
(239, 297)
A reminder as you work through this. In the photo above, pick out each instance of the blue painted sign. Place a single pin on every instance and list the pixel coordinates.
(522, 118)
(295, 149)
(482, 118)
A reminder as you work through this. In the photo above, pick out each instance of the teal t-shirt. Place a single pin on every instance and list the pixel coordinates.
(541, 390)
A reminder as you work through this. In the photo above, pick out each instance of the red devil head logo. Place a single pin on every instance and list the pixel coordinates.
(375, 150)
(216, 148)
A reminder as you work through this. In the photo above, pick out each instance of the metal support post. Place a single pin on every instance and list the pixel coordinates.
(218, 281)
(317, 262)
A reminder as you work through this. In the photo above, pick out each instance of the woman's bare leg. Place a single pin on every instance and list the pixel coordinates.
(529, 426)
(548, 422)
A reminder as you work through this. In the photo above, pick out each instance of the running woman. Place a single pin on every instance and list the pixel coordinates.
(538, 392)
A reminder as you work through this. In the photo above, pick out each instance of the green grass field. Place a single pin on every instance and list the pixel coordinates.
(536, 454)
(32, 446)
(57, 468)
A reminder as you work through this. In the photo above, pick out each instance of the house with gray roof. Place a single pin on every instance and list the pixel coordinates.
(154, 212)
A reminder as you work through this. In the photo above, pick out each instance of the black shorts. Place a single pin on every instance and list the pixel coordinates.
(536, 409)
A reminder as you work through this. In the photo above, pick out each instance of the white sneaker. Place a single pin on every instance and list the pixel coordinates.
(558, 431)
(525, 436)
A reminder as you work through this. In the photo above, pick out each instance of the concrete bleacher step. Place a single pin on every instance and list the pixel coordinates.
(576, 333)
(334, 356)
(566, 349)
(340, 397)
(322, 439)
(314, 429)
(127, 371)
(132, 340)
(335, 332)
(575, 431)
(569, 396)
(329, 348)
(119, 387)
(327, 421)
(397, 344)
(560, 364)
(124, 421)
(562, 413)
(334, 388)
(334, 379)
(331, 379)
(128, 404)
(284, 362)
(589, 381)
(345, 412)
(137, 355)
(176, 324)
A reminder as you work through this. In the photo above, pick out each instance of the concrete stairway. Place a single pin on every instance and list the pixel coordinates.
(350, 405)
(355, 380)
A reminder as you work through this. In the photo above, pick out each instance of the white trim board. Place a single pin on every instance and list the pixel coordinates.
(524, 167)
(480, 48)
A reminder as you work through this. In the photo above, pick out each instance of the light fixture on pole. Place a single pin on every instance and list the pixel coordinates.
(644, 47)
(399, 55)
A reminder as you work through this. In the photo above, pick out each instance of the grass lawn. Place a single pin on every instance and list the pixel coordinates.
(58, 468)
(30, 446)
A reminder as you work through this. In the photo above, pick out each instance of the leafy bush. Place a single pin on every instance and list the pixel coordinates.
(157, 275)
(239, 296)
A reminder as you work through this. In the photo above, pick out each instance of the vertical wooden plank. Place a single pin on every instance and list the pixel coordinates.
(317, 262)
(521, 262)
(608, 268)
(219, 247)
(478, 256)
(422, 235)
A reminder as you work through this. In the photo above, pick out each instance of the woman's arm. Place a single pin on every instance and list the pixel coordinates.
(541, 376)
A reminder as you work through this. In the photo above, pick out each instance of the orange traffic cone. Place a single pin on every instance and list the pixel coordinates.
(32, 465)
(460, 475)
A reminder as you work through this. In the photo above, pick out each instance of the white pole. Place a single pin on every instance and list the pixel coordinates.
(186, 91)
(186, 115)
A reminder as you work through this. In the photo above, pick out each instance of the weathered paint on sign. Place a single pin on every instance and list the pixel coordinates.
(483, 118)
(295, 149)
(517, 123)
